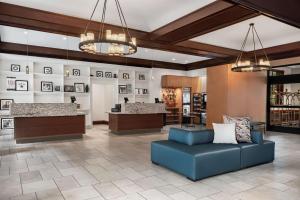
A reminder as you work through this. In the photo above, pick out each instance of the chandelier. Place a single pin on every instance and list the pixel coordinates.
(251, 64)
(107, 42)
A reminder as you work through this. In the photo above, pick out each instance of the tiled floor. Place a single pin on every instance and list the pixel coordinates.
(103, 166)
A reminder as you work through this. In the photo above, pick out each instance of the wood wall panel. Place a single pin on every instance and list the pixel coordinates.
(235, 94)
(217, 90)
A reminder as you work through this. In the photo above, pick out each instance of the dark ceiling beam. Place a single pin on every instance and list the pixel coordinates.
(21, 49)
(289, 50)
(198, 46)
(28, 18)
(220, 19)
(286, 11)
(210, 9)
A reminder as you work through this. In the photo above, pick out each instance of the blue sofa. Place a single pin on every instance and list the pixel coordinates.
(192, 153)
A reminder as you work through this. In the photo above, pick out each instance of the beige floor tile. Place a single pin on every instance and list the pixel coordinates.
(66, 183)
(109, 190)
(52, 194)
(169, 189)
(182, 195)
(131, 174)
(50, 173)
(81, 193)
(154, 194)
(38, 186)
(29, 177)
(150, 182)
(31, 196)
(277, 186)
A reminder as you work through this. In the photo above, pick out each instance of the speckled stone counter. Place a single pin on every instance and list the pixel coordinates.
(143, 108)
(43, 109)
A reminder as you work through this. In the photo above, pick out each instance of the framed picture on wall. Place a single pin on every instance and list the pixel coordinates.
(69, 88)
(79, 87)
(129, 88)
(122, 89)
(7, 123)
(108, 75)
(10, 83)
(126, 76)
(145, 91)
(76, 72)
(5, 104)
(46, 86)
(21, 85)
(99, 73)
(57, 88)
(47, 70)
(142, 77)
(15, 68)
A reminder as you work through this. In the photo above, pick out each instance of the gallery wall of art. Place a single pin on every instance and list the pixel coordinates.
(47, 80)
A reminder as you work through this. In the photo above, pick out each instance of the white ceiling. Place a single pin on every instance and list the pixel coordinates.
(37, 38)
(146, 15)
(270, 31)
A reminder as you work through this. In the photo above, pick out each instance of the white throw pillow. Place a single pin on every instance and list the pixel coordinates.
(224, 133)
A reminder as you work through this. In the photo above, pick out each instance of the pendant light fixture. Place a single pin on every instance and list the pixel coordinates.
(253, 64)
(107, 42)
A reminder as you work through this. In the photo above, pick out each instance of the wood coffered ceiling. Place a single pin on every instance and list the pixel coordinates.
(173, 37)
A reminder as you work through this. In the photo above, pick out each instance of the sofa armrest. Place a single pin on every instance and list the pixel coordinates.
(257, 137)
(189, 137)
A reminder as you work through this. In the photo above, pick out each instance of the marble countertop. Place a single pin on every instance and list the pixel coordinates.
(44, 110)
(35, 115)
(126, 113)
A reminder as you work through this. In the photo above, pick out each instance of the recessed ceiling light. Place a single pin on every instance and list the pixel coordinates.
(173, 59)
(64, 38)
(25, 32)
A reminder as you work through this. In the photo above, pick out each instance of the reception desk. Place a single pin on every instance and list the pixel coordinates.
(137, 118)
(134, 123)
(43, 122)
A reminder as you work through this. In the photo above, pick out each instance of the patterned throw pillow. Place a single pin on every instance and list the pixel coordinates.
(242, 127)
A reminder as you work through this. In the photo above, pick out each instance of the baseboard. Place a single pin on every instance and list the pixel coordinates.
(100, 122)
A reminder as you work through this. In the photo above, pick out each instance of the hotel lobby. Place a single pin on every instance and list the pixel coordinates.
(145, 100)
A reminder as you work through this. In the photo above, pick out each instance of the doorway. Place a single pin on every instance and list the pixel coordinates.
(102, 102)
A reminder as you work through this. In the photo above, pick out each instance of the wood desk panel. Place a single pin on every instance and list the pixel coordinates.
(127, 122)
(43, 127)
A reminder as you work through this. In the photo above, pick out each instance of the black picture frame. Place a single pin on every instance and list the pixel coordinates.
(126, 76)
(20, 84)
(99, 74)
(48, 70)
(76, 72)
(10, 83)
(68, 88)
(142, 77)
(108, 75)
(4, 105)
(57, 88)
(15, 68)
(122, 89)
(7, 125)
(79, 87)
(46, 86)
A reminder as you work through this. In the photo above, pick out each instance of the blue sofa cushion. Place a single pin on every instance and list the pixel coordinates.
(191, 137)
(197, 161)
(254, 154)
(257, 137)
